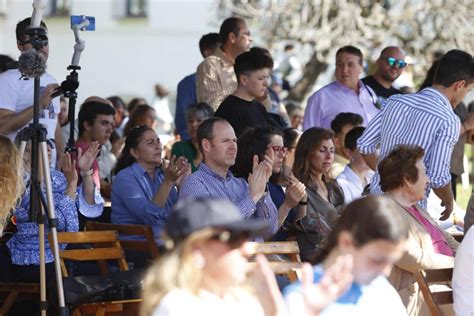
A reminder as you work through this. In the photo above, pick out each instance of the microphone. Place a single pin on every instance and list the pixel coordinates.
(32, 63)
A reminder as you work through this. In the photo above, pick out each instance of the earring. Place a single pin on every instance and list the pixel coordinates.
(199, 260)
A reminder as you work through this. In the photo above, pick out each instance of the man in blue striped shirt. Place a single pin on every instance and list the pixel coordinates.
(426, 119)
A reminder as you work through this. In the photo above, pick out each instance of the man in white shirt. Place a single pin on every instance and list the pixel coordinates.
(16, 95)
(463, 276)
(356, 174)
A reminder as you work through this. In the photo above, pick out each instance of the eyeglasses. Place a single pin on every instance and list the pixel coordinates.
(279, 150)
(392, 62)
(244, 33)
(232, 238)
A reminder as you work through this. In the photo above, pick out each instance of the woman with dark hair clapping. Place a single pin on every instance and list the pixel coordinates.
(144, 188)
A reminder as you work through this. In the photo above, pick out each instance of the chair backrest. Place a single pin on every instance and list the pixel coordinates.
(289, 248)
(104, 246)
(279, 265)
(147, 245)
(434, 299)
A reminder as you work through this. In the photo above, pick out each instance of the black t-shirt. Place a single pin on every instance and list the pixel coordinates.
(380, 90)
(242, 114)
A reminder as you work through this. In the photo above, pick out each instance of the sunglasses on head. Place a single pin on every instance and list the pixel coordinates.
(232, 238)
(392, 62)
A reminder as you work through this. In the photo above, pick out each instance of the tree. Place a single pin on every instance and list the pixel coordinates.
(418, 26)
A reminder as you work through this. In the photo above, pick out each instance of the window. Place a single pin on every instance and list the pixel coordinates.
(58, 7)
(136, 8)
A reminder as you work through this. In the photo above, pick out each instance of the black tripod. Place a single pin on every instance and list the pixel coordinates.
(39, 206)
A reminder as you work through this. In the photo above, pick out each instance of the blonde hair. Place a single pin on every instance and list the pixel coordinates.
(175, 269)
(11, 176)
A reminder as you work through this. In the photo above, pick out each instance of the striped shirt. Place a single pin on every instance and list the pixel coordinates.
(425, 119)
(206, 183)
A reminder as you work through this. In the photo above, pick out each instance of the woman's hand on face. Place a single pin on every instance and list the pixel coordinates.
(335, 282)
(86, 159)
(176, 168)
(68, 167)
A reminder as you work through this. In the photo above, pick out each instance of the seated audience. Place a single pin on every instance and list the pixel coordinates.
(240, 108)
(403, 178)
(341, 125)
(67, 197)
(463, 276)
(218, 144)
(372, 231)
(314, 156)
(296, 114)
(134, 103)
(120, 118)
(195, 115)
(268, 141)
(356, 175)
(291, 136)
(144, 189)
(143, 114)
(205, 270)
(95, 123)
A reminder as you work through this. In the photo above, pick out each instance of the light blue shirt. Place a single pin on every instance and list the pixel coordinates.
(132, 194)
(376, 298)
(335, 98)
(425, 119)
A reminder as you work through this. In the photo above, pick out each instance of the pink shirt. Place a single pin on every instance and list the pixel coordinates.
(440, 244)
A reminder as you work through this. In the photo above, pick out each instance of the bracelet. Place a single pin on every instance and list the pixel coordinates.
(86, 173)
(303, 203)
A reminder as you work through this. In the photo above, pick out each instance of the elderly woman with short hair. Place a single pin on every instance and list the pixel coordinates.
(195, 115)
(403, 177)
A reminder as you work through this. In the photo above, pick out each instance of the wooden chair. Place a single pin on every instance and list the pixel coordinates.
(282, 267)
(14, 290)
(434, 299)
(105, 246)
(148, 245)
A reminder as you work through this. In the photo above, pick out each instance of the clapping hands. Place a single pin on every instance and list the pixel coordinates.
(261, 173)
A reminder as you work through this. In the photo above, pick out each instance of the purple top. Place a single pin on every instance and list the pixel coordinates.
(335, 98)
(206, 183)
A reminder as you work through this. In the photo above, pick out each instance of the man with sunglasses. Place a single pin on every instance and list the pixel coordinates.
(390, 66)
(16, 94)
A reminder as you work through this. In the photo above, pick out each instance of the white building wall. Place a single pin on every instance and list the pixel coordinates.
(124, 56)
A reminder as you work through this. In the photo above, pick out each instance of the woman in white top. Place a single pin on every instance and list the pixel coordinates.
(205, 269)
(372, 231)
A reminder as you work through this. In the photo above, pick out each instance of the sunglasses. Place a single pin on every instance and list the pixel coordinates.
(392, 62)
(279, 150)
(231, 238)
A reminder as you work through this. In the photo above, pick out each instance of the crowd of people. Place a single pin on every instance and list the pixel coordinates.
(347, 177)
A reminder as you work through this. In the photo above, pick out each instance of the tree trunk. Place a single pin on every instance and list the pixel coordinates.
(313, 68)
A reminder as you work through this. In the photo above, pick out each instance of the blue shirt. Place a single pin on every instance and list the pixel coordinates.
(363, 300)
(425, 119)
(24, 245)
(132, 195)
(185, 96)
(206, 183)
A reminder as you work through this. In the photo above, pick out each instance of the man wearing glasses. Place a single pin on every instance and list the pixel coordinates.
(215, 77)
(390, 66)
